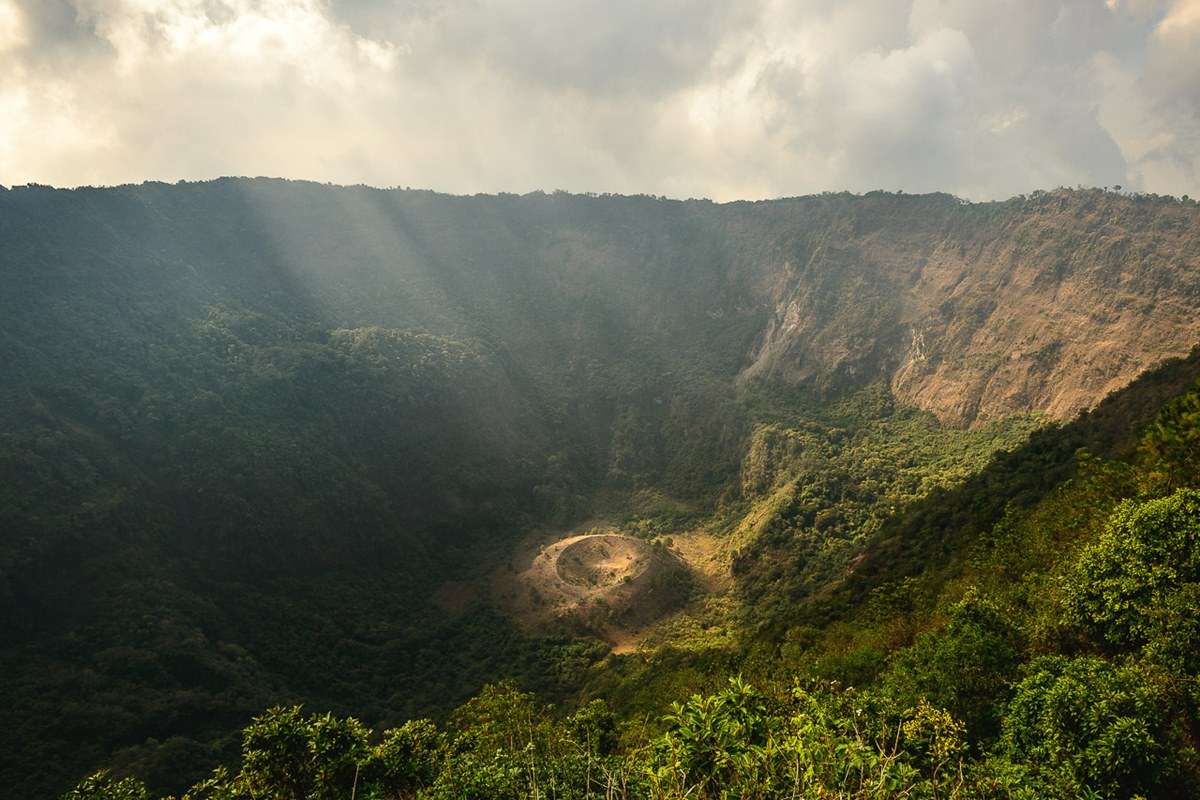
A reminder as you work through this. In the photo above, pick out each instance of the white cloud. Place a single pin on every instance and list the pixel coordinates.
(12, 25)
(1182, 20)
(723, 98)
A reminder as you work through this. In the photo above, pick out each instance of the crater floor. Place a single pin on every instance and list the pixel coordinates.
(606, 584)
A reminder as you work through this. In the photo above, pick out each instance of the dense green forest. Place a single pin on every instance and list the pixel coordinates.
(1050, 652)
(264, 444)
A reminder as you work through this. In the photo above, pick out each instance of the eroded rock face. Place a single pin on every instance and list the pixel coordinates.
(1046, 304)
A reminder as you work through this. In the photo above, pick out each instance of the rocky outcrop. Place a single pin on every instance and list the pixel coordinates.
(1042, 304)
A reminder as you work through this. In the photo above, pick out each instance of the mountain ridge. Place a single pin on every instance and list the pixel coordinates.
(969, 320)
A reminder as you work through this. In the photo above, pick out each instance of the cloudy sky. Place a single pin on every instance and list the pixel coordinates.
(717, 98)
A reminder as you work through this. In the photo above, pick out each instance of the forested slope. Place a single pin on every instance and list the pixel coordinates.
(249, 427)
(1049, 651)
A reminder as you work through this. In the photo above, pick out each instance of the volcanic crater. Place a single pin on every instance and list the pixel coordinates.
(602, 583)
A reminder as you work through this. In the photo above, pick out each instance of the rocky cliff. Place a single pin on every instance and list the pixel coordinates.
(974, 312)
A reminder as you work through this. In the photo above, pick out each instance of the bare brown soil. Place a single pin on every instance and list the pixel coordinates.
(601, 582)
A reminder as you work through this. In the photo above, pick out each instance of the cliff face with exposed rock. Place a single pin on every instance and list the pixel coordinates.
(1044, 304)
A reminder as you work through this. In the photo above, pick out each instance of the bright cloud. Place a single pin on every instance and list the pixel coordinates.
(721, 98)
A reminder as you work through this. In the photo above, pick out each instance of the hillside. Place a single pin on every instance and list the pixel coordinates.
(254, 432)
(1052, 655)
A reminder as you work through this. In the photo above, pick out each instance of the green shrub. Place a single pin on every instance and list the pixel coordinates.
(1087, 724)
(965, 667)
(1147, 552)
(102, 786)
(408, 759)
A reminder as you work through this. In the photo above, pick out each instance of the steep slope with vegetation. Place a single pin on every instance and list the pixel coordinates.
(251, 430)
(1052, 655)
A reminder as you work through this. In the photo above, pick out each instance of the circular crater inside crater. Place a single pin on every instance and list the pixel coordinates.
(603, 583)
(596, 562)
